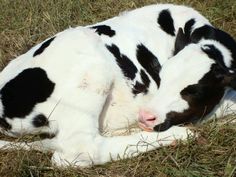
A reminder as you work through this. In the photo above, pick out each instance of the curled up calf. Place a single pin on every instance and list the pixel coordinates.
(160, 65)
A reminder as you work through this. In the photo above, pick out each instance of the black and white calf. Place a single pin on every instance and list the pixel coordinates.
(160, 65)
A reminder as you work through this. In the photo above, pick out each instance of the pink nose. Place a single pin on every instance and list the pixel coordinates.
(147, 118)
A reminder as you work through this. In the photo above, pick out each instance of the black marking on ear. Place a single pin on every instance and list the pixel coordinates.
(206, 32)
(214, 54)
(104, 29)
(4, 124)
(229, 42)
(209, 32)
(142, 87)
(43, 47)
(166, 22)
(22, 93)
(40, 120)
(188, 27)
(149, 62)
(181, 41)
(127, 66)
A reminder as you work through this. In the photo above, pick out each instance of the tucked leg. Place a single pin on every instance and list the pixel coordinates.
(99, 150)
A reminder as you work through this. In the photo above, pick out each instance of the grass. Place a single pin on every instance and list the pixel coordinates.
(24, 23)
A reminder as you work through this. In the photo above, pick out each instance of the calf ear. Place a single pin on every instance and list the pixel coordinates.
(181, 41)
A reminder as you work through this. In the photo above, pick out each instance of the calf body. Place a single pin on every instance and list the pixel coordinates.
(88, 80)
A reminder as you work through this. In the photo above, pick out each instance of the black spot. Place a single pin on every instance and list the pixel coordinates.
(40, 120)
(142, 87)
(43, 47)
(47, 135)
(4, 124)
(166, 22)
(127, 66)
(104, 29)
(149, 62)
(21, 94)
(188, 27)
(139, 88)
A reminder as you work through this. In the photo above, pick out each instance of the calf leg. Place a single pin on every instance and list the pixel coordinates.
(79, 142)
(122, 147)
(99, 150)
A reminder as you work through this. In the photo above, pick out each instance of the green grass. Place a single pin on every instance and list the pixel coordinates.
(24, 23)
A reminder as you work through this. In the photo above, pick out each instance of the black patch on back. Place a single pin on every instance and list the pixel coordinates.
(40, 120)
(127, 66)
(43, 47)
(166, 22)
(104, 29)
(4, 124)
(22, 93)
(142, 87)
(149, 62)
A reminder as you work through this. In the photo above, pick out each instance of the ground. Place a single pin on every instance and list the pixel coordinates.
(24, 23)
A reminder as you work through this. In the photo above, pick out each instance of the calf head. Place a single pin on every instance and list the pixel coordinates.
(194, 81)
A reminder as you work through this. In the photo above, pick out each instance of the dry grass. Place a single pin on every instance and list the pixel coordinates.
(24, 23)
